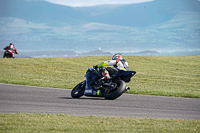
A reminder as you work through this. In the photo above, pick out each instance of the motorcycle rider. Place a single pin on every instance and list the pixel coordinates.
(117, 62)
(10, 50)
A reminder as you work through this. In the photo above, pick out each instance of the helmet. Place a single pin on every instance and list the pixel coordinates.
(11, 44)
(117, 56)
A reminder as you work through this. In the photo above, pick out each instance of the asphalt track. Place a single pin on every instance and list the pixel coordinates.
(27, 99)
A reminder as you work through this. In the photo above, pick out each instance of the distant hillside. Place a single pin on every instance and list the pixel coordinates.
(95, 53)
(148, 14)
(160, 25)
(134, 15)
(39, 11)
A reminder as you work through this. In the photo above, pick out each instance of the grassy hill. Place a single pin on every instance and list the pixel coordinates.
(168, 76)
(164, 76)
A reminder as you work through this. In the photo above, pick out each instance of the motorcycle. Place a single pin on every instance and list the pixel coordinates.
(109, 89)
(8, 54)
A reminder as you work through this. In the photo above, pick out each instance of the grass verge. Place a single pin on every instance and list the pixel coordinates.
(67, 123)
(164, 76)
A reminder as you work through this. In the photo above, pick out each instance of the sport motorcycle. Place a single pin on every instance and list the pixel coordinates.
(9, 53)
(109, 89)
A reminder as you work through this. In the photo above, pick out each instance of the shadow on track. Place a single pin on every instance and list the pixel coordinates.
(84, 98)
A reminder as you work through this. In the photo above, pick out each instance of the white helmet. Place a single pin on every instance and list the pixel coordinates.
(117, 56)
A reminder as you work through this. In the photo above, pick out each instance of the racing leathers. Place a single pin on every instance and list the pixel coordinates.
(119, 64)
(10, 50)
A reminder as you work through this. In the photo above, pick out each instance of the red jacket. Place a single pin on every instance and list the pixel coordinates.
(11, 50)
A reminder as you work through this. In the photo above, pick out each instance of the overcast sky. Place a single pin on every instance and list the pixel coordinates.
(81, 3)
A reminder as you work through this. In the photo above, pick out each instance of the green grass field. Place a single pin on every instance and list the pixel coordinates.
(164, 76)
(93, 124)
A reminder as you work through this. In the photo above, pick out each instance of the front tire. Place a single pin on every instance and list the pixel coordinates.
(117, 92)
(78, 90)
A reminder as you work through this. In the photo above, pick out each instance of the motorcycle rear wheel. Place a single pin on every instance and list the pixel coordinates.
(116, 92)
(78, 90)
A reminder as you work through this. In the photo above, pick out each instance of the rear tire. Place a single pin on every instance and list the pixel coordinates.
(117, 92)
(78, 90)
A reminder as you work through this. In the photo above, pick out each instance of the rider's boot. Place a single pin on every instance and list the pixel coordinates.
(103, 80)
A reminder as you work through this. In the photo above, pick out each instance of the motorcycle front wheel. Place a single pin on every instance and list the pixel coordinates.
(117, 91)
(78, 90)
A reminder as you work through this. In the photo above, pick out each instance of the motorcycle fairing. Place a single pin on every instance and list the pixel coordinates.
(91, 76)
(124, 75)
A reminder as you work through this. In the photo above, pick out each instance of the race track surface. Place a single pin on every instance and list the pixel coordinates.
(17, 98)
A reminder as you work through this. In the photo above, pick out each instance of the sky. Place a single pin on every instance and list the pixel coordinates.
(85, 3)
